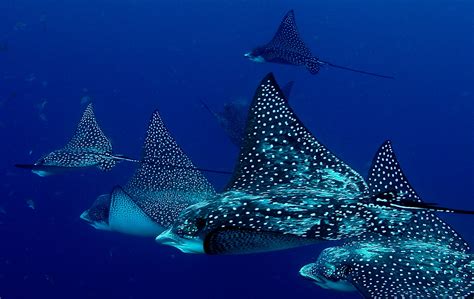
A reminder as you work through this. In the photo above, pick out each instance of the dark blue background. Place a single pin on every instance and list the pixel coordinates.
(136, 56)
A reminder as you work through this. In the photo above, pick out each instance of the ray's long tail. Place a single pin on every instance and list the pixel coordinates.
(125, 158)
(322, 62)
(390, 199)
(204, 104)
(430, 207)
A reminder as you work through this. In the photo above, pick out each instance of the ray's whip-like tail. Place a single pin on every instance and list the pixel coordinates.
(323, 62)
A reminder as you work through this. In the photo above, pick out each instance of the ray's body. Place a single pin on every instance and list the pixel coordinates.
(89, 147)
(233, 116)
(289, 190)
(287, 47)
(165, 183)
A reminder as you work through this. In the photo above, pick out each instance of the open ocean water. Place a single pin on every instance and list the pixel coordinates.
(134, 56)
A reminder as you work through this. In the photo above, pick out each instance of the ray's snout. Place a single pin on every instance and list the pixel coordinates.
(185, 245)
(165, 238)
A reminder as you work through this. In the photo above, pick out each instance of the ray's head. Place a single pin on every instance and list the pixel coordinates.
(330, 271)
(40, 168)
(98, 214)
(188, 231)
(256, 55)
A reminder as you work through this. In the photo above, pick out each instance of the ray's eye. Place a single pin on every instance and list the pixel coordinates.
(200, 223)
(345, 270)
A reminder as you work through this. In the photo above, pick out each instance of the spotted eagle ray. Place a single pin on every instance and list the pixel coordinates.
(397, 267)
(234, 116)
(287, 190)
(89, 147)
(165, 183)
(287, 47)
(428, 259)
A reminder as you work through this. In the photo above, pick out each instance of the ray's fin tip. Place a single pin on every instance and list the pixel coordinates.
(269, 77)
(397, 179)
(90, 107)
(387, 144)
(155, 115)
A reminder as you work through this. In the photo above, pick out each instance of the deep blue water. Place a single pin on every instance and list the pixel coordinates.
(134, 56)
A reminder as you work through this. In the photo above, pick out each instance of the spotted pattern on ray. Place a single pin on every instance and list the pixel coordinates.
(76, 159)
(166, 181)
(425, 258)
(299, 213)
(287, 47)
(285, 183)
(278, 150)
(233, 117)
(386, 174)
(287, 36)
(401, 266)
(88, 147)
(299, 216)
(89, 136)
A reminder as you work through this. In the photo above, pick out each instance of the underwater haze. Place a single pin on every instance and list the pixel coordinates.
(130, 57)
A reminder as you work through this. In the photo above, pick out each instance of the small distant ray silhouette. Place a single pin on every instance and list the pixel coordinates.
(165, 183)
(287, 47)
(88, 147)
(234, 116)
